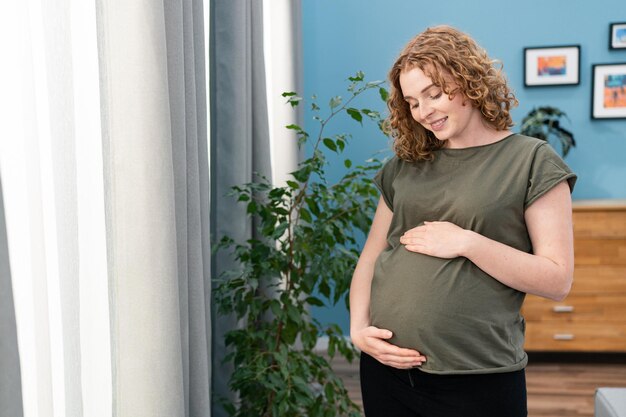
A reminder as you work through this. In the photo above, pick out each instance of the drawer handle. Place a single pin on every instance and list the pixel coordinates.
(563, 336)
(563, 309)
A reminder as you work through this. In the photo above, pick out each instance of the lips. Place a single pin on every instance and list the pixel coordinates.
(438, 124)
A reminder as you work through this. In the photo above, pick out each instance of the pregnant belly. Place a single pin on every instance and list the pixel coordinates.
(432, 304)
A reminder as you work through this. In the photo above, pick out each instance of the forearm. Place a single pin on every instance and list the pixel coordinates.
(546, 272)
(360, 295)
(529, 273)
(364, 272)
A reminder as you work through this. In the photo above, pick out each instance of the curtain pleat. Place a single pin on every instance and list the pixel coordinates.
(140, 211)
(188, 115)
(155, 137)
(10, 378)
(239, 142)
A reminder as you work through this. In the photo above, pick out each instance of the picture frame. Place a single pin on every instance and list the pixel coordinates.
(552, 65)
(617, 35)
(608, 94)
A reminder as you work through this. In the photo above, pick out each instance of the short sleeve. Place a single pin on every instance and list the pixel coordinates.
(547, 170)
(384, 180)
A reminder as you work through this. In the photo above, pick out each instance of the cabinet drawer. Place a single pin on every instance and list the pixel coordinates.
(600, 252)
(589, 337)
(599, 279)
(600, 224)
(598, 309)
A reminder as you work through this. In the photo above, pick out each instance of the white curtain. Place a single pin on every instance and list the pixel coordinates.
(105, 267)
(51, 170)
(104, 174)
(283, 68)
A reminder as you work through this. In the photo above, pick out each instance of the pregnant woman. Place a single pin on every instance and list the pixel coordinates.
(471, 218)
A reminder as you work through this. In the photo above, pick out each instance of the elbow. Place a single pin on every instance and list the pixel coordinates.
(560, 296)
(562, 287)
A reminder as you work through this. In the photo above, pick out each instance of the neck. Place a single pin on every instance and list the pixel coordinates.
(479, 137)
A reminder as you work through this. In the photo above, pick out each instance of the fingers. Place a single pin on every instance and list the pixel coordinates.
(415, 235)
(384, 347)
(414, 243)
(418, 249)
(372, 340)
(400, 365)
(402, 362)
(423, 228)
(390, 354)
(388, 349)
(420, 238)
(407, 239)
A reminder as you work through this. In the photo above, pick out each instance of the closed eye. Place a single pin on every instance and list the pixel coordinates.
(436, 96)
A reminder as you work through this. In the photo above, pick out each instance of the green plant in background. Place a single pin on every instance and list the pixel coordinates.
(545, 123)
(304, 255)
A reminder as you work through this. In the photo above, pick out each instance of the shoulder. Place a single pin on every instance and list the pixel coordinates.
(527, 143)
(520, 149)
(392, 165)
(393, 161)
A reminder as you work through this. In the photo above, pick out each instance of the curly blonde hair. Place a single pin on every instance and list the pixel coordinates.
(442, 51)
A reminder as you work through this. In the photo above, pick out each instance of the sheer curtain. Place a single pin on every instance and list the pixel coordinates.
(105, 198)
(53, 193)
(105, 284)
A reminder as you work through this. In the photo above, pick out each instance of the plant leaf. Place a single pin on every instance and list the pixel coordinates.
(335, 102)
(384, 95)
(355, 114)
(330, 144)
(359, 76)
(314, 301)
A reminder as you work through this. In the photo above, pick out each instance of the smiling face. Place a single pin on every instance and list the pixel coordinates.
(453, 120)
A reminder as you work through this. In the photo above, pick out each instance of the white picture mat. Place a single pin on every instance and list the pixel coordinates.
(616, 43)
(572, 56)
(600, 72)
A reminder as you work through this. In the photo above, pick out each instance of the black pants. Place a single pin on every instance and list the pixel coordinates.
(391, 392)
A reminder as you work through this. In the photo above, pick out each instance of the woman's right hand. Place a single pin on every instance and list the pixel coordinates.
(372, 341)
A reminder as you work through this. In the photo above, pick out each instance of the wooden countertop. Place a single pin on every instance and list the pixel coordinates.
(599, 204)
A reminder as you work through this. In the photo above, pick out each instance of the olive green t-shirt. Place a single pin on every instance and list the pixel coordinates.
(461, 318)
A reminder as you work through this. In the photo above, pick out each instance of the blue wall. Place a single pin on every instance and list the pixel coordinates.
(343, 36)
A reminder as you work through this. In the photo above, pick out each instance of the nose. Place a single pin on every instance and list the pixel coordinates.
(424, 111)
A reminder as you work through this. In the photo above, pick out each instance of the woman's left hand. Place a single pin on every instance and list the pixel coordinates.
(440, 239)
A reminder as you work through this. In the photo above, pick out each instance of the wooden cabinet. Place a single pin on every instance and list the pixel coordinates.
(593, 316)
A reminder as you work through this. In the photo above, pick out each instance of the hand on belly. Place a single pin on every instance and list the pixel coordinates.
(373, 341)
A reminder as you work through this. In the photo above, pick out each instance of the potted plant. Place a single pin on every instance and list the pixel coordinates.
(545, 123)
(305, 256)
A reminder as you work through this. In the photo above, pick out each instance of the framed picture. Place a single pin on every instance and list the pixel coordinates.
(552, 65)
(617, 35)
(608, 91)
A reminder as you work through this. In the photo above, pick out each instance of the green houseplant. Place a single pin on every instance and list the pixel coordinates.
(545, 123)
(304, 256)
